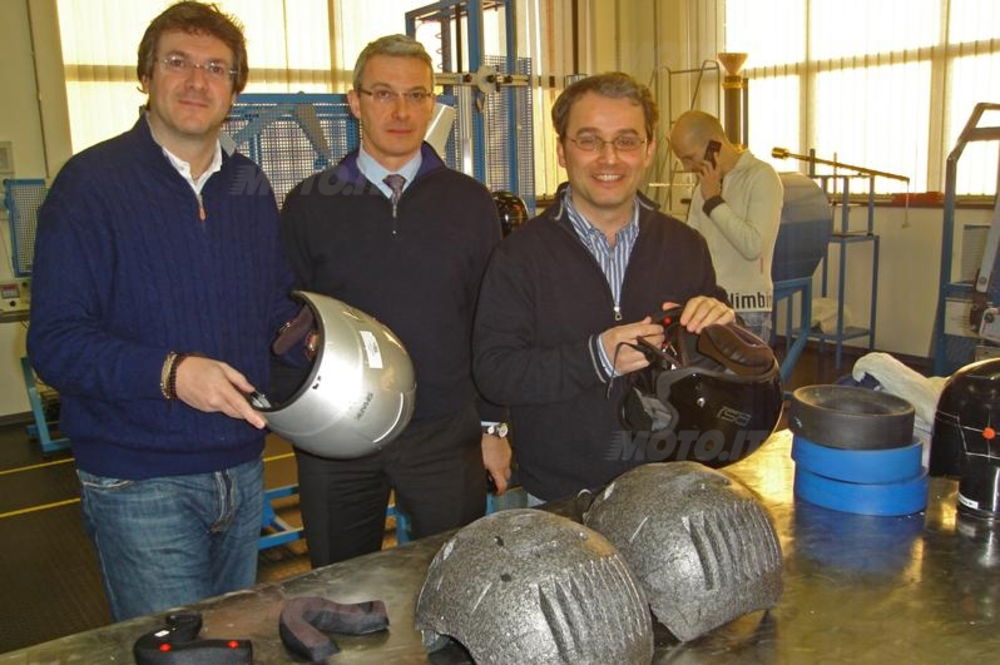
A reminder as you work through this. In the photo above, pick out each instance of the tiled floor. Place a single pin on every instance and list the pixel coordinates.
(49, 584)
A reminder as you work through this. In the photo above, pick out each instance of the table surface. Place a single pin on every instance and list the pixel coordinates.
(917, 589)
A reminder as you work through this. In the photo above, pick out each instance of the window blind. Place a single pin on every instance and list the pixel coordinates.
(887, 84)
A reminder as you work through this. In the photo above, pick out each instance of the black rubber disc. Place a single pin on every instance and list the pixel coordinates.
(849, 417)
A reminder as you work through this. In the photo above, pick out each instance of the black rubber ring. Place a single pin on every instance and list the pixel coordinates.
(849, 417)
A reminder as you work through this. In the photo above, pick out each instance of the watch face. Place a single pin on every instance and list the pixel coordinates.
(501, 430)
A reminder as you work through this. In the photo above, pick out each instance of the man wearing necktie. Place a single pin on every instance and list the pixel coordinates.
(394, 232)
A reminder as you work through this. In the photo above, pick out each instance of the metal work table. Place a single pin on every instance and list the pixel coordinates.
(918, 589)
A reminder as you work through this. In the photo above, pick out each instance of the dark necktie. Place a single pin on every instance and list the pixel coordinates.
(395, 182)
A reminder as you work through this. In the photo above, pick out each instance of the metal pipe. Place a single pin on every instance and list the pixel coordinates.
(812, 159)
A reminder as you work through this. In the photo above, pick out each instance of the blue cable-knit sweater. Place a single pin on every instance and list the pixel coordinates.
(126, 271)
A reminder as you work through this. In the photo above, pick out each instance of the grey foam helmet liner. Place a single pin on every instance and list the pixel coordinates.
(530, 587)
(702, 546)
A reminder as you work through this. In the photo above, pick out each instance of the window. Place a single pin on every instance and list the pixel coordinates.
(293, 45)
(100, 39)
(887, 84)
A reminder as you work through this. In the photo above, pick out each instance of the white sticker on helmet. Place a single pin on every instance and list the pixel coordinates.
(372, 351)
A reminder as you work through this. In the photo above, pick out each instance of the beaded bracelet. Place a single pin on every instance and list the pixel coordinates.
(172, 378)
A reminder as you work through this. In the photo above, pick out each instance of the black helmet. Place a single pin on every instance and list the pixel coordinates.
(712, 398)
(966, 439)
(512, 211)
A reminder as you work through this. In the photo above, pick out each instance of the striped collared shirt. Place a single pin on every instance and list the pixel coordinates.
(612, 260)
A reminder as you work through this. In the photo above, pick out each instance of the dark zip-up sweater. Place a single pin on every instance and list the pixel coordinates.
(543, 303)
(126, 270)
(416, 269)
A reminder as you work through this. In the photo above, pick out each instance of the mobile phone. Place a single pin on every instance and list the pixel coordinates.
(711, 151)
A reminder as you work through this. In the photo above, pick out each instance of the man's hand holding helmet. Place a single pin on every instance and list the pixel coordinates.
(621, 343)
(703, 311)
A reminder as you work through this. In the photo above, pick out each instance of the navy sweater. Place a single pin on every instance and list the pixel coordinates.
(126, 271)
(419, 273)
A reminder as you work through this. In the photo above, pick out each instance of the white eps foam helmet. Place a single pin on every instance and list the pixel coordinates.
(359, 393)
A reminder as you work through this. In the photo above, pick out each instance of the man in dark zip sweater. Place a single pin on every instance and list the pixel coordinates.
(565, 298)
(158, 286)
(394, 232)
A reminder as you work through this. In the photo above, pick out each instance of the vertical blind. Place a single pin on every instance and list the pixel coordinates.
(293, 45)
(288, 51)
(887, 84)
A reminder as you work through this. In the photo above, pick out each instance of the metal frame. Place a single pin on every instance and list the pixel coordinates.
(282, 533)
(972, 132)
(787, 289)
(21, 228)
(707, 65)
(843, 238)
(40, 429)
(481, 79)
(846, 237)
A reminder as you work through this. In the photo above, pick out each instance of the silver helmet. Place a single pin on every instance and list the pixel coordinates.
(531, 587)
(359, 393)
(702, 546)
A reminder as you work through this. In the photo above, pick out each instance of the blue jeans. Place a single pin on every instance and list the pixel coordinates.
(175, 540)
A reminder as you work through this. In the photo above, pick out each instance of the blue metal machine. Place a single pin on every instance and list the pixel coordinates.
(837, 187)
(806, 225)
(494, 95)
(957, 337)
(23, 198)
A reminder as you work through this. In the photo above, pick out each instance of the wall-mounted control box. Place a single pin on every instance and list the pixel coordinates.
(15, 295)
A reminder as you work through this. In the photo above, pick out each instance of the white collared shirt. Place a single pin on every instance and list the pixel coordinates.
(184, 168)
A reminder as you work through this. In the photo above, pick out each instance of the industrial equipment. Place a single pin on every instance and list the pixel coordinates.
(966, 322)
(803, 234)
(837, 186)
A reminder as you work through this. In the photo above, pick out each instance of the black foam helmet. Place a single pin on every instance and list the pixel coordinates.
(966, 438)
(712, 398)
(512, 211)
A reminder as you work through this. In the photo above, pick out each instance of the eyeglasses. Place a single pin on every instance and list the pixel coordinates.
(385, 96)
(621, 143)
(214, 69)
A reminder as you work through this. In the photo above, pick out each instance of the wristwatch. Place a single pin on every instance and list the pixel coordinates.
(496, 429)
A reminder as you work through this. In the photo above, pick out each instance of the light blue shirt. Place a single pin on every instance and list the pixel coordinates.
(376, 173)
(612, 260)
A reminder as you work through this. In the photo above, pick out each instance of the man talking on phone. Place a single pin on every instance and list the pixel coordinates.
(737, 207)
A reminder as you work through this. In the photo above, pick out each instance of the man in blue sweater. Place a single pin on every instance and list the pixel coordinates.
(393, 231)
(158, 287)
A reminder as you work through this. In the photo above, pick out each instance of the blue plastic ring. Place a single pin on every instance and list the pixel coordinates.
(902, 498)
(854, 465)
